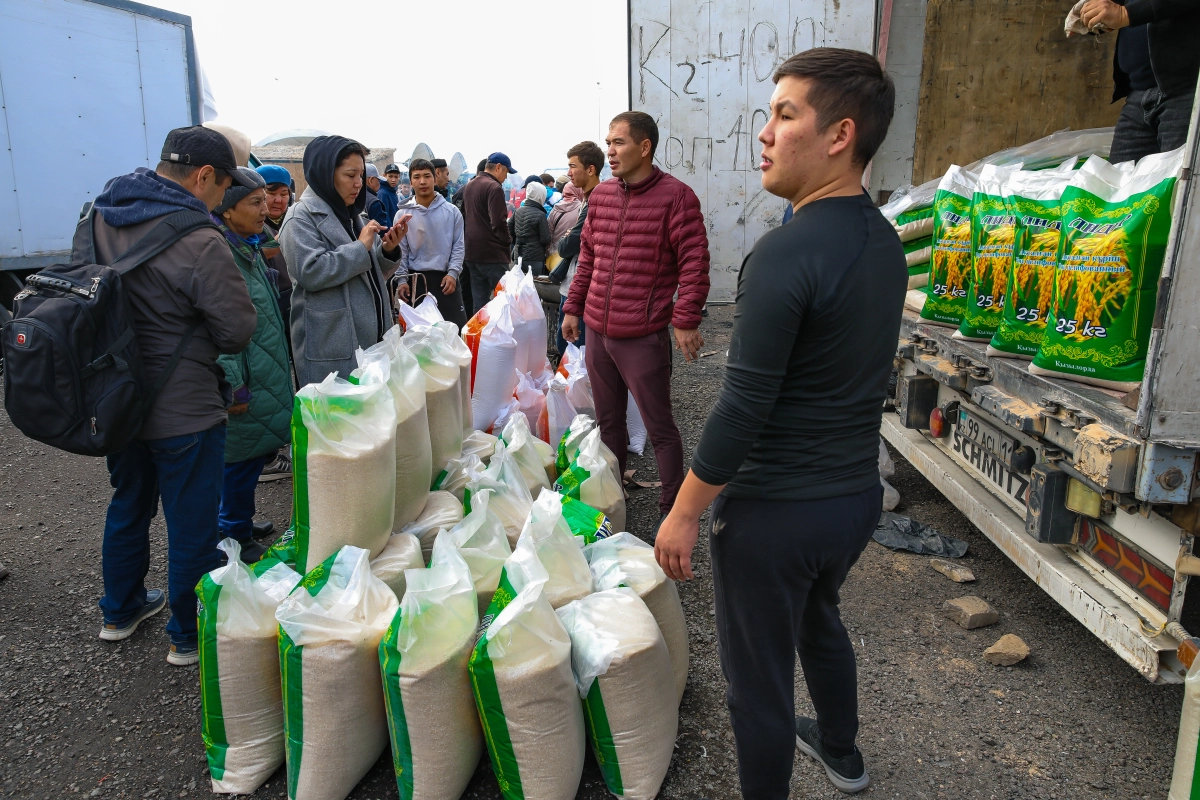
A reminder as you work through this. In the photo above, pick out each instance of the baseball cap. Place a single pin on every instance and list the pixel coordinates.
(198, 146)
(274, 174)
(439, 163)
(372, 171)
(391, 168)
(502, 160)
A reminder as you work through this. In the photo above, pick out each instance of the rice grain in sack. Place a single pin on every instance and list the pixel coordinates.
(457, 474)
(993, 232)
(495, 367)
(623, 672)
(557, 412)
(402, 553)
(343, 468)
(481, 541)
(635, 426)
(548, 535)
(442, 397)
(414, 453)
(480, 444)
(1034, 198)
(443, 510)
(241, 704)
(949, 270)
(458, 348)
(591, 480)
(330, 627)
(521, 447)
(510, 500)
(1115, 224)
(528, 320)
(625, 560)
(527, 699)
(432, 720)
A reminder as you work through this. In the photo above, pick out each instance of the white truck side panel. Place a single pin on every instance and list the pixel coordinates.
(10, 216)
(90, 91)
(703, 71)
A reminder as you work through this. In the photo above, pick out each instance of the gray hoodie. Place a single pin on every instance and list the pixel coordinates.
(434, 242)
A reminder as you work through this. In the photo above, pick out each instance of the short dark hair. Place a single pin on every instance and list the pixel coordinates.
(546, 178)
(589, 155)
(482, 166)
(175, 171)
(846, 84)
(641, 127)
(418, 164)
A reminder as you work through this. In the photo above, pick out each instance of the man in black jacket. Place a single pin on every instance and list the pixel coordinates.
(1154, 69)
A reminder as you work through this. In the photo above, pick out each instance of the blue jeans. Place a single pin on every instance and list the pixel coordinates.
(562, 343)
(185, 472)
(237, 498)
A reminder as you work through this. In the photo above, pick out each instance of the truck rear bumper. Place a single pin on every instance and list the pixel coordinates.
(1069, 583)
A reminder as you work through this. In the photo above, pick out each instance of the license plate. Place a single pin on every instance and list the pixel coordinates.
(988, 453)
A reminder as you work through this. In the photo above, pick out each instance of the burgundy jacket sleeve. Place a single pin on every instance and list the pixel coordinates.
(689, 239)
(582, 281)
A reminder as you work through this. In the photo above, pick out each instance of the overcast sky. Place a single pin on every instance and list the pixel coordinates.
(519, 76)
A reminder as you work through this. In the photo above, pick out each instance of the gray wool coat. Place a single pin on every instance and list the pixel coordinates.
(333, 312)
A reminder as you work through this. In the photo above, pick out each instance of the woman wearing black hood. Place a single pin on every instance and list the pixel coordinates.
(338, 261)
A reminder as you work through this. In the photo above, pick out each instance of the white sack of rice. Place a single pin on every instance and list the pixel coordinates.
(624, 676)
(520, 444)
(548, 536)
(481, 541)
(495, 366)
(402, 553)
(344, 467)
(510, 500)
(414, 452)
(241, 704)
(573, 436)
(591, 480)
(432, 719)
(528, 701)
(442, 511)
(479, 444)
(457, 474)
(625, 560)
(462, 353)
(637, 428)
(443, 400)
(330, 628)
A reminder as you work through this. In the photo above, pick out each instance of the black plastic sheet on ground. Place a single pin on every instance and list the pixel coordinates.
(897, 532)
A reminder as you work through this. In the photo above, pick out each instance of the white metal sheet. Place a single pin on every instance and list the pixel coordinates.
(10, 216)
(703, 71)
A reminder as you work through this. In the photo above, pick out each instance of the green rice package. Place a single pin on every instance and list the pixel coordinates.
(240, 699)
(1115, 223)
(993, 228)
(917, 255)
(432, 721)
(1033, 198)
(586, 522)
(591, 480)
(950, 267)
(573, 436)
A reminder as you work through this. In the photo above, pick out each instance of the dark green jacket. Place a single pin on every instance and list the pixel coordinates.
(263, 367)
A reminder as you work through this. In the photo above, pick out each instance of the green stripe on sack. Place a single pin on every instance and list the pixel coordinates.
(569, 481)
(213, 731)
(316, 578)
(603, 746)
(561, 462)
(495, 725)
(590, 523)
(291, 671)
(389, 663)
(300, 487)
(439, 480)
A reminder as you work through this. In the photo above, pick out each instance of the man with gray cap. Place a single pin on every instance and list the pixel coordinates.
(190, 292)
(376, 209)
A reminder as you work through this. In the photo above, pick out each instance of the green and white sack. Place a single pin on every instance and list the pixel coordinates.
(590, 479)
(525, 691)
(443, 398)
(481, 540)
(573, 436)
(402, 553)
(510, 500)
(521, 447)
(330, 628)
(457, 474)
(442, 512)
(915, 228)
(1115, 223)
(414, 454)
(950, 268)
(588, 523)
(343, 468)
(434, 727)
(458, 349)
(993, 231)
(625, 560)
(624, 676)
(548, 537)
(239, 670)
(1034, 198)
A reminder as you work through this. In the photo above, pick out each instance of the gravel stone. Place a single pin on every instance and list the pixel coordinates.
(955, 572)
(970, 612)
(1010, 649)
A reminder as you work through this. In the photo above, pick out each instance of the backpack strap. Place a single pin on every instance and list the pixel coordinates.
(168, 231)
(161, 381)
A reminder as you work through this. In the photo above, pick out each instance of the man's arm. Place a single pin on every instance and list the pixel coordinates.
(582, 281)
(568, 248)
(688, 237)
(498, 213)
(458, 250)
(1143, 11)
(219, 293)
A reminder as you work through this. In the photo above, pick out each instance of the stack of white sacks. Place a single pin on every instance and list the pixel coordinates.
(455, 565)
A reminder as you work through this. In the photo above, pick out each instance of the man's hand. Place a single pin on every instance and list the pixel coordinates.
(449, 284)
(689, 342)
(403, 290)
(1104, 12)
(238, 408)
(674, 544)
(570, 328)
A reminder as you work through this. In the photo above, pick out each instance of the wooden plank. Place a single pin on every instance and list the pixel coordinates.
(999, 73)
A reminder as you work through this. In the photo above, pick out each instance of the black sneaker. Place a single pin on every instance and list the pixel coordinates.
(156, 601)
(278, 469)
(252, 551)
(847, 773)
(263, 529)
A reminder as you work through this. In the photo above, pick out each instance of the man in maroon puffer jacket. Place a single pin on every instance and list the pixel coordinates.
(644, 241)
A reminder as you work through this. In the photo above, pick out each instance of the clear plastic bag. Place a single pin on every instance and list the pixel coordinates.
(481, 541)
(520, 444)
(442, 394)
(591, 480)
(442, 512)
(425, 312)
(510, 499)
(402, 553)
(458, 348)
(557, 412)
(548, 536)
(528, 320)
(494, 371)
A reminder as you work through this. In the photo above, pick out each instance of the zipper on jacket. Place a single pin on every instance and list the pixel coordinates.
(612, 270)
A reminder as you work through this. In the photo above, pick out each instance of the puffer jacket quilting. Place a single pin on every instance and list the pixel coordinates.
(641, 244)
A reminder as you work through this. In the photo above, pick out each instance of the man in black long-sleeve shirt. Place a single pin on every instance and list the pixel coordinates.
(789, 453)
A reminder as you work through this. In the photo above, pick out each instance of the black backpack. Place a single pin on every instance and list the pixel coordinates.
(73, 373)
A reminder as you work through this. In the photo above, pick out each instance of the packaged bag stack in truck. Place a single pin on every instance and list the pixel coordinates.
(993, 230)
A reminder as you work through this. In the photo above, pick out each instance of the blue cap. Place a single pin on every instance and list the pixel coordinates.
(500, 158)
(275, 174)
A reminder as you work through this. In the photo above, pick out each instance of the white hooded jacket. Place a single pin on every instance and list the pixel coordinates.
(435, 241)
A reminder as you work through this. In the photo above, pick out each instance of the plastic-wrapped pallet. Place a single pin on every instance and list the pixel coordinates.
(344, 467)
(330, 628)
(241, 704)
(402, 553)
(443, 511)
(590, 479)
(625, 560)
(442, 395)
(434, 727)
(414, 453)
(624, 676)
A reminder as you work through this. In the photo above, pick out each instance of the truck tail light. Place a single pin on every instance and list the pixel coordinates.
(937, 423)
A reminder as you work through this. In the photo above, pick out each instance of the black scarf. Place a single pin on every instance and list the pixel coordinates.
(321, 158)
